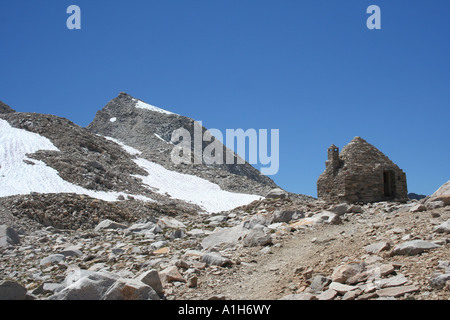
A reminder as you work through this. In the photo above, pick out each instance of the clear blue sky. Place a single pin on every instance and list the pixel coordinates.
(309, 68)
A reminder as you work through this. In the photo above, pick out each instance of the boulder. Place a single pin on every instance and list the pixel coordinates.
(355, 209)
(277, 193)
(441, 194)
(378, 271)
(318, 283)
(418, 208)
(171, 274)
(48, 288)
(227, 237)
(167, 222)
(344, 272)
(263, 219)
(109, 224)
(394, 281)
(214, 258)
(435, 204)
(73, 251)
(440, 281)
(257, 237)
(130, 289)
(376, 248)
(152, 279)
(143, 227)
(396, 291)
(8, 236)
(11, 290)
(443, 227)
(325, 217)
(341, 288)
(413, 247)
(192, 282)
(351, 295)
(340, 209)
(329, 294)
(217, 218)
(89, 286)
(195, 233)
(52, 259)
(287, 215)
(445, 265)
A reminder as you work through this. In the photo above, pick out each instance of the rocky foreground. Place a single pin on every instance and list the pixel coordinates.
(271, 249)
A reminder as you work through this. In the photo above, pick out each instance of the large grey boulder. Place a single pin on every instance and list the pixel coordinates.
(377, 247)
(318, 283)
(143, 227)
(90, 286)
(214, 258)
(10, 290)
(277, 193)
(441, 194)
(418, 208)
(257, 237)
(8, 236)
(340, 209)
(152, 279)
(130, 289)
(72, 251)
(109, 224)
(435, 204)
(287, 215)
(443, 227)
(52, 259)
(227, 237)
(413, 247)
(440, 281)
(48, 288)
(325, 217)
(263, 219)
(342, 273)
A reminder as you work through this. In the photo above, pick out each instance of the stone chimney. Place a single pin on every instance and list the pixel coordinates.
(333, 162)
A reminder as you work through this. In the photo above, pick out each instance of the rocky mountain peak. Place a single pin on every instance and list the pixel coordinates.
(149, 129)
(4, 108)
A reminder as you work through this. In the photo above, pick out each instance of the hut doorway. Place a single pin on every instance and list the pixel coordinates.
(389, 183)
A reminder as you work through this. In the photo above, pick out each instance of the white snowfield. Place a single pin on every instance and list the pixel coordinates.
(142, 105)
(18, 177)
(191, 188)
(128, 149)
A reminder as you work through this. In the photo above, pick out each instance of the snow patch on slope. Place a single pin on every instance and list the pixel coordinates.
(160, 138)
(187, 187)
(192, 189)
(142, 105)
(20, 177)
(130, 150)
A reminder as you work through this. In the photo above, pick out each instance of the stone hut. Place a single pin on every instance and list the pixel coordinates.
(361, 173)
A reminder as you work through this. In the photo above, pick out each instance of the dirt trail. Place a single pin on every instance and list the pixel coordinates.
(319, 250)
